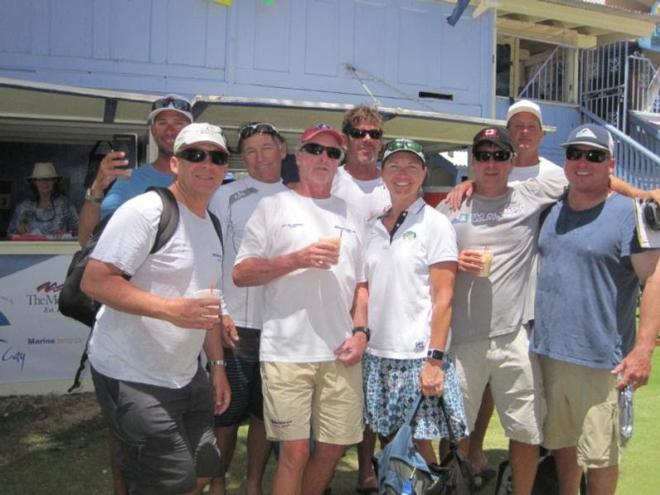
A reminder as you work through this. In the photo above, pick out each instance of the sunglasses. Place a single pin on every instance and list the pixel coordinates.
(498, 156)
(317, 149)
(195, 155)
(361, 133)
(171, 102)
(404, 144)
(593, 156)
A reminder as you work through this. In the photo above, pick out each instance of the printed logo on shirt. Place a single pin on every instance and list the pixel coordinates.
(292, 225)
(409, 235)
(217, 256)
(420, 345)
(482, 217)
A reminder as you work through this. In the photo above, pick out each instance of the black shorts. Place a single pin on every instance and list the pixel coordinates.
(165, 435)
(244, 378)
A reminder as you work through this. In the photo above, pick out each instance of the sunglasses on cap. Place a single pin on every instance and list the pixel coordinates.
(195, 155)
(593, 156)
(317, 149)
(362, 133)
(498, 156)
(170, 102)
(249, 130)
(404, 144)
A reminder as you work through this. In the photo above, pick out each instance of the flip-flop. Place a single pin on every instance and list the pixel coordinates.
(482, 478)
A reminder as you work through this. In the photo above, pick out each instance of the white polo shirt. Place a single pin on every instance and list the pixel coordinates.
(399, 282)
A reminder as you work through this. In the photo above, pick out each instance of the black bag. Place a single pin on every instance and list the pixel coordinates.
(76, 304)
(399, 467)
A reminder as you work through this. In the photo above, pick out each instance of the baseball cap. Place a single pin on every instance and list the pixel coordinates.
(200, 133)
(171, 102)
(524, 106)
(401, 144)
(591, 135)
(318, 129)
(497, 135)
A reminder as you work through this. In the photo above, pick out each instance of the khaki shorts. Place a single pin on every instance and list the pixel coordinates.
(322, 398)
(583, 411)
(514, 376)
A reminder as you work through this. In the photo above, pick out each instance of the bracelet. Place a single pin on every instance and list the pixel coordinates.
(217, 362)
(90, 197)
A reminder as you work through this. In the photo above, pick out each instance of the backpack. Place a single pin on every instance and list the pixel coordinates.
(75, 304)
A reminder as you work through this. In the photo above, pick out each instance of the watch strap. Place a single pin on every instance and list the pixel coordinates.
(364, 330)
(435, 354)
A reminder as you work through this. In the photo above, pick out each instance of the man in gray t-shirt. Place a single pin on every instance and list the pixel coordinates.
(489, 339)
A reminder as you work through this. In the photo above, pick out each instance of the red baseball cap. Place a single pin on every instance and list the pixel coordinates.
(318, 129)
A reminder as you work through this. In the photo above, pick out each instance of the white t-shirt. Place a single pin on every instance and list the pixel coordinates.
(138, 348)
(306, 312)
(370, 197)
(545, 169)
(399, 283)
(233, 204)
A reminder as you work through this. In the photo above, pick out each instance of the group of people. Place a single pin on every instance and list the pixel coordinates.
(341, 298)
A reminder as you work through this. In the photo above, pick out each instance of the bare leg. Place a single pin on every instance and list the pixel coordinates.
(293, 457)
(118, 481)
(476, 454)
(365, 449)
(321, 467)
(226, 438)
(568, 470)
(258, 448)
(602, 481)
(524, 460)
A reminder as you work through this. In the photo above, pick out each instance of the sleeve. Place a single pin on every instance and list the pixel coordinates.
(546, 190)
(115, 197)
(71, 216)
(16, 218)
(255, 236)
(441, 240)
(129, 235)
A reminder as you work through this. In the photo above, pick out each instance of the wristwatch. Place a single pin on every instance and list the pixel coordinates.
(90, 197)
(217, 362)
(364, 330)
(436, 354)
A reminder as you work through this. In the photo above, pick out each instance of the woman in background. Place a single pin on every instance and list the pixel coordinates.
(49, 213)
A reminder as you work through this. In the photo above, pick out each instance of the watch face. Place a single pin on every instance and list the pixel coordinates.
(436, 354)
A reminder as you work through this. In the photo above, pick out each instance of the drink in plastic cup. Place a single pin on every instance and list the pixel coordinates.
(487, 260)
(208, 293)
(335, 241)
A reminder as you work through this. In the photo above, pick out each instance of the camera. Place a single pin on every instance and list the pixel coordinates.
(651, 211)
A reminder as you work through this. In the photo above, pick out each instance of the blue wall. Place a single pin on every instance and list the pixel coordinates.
(296, 49)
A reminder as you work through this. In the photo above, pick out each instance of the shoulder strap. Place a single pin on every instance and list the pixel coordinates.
(169, 219)
(218, 228)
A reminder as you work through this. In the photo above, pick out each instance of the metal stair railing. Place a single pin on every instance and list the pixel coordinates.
(548, 81)
(644, 83)
(634, 163)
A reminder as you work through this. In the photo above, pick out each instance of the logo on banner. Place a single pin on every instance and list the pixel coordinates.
(45, 297)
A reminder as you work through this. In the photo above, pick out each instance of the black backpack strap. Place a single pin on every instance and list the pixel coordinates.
(218, 228)
(169, 218)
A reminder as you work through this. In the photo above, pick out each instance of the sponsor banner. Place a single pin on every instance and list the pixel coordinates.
(36, 341)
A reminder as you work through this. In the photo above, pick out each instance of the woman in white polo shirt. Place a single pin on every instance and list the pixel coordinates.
(411, 260)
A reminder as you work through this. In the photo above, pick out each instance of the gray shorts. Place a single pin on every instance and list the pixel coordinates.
(165, 435)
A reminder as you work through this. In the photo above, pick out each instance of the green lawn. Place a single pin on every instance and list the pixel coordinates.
(57, 445)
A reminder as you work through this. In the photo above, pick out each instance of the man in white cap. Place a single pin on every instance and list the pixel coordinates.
(153, 392)
(305, 247)
(591, 266)
(168, 116)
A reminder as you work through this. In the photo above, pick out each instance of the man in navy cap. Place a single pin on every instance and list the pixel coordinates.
(591, 266)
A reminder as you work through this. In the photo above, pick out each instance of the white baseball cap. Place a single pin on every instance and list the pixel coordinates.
(524, 106)
(201, 132)
(172, 102)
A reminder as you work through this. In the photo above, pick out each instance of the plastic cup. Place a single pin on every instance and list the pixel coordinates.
(208, 293)
(334, 241)
(487, 260)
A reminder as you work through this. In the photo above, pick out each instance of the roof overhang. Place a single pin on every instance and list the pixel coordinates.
(577, 24)
(41, 112)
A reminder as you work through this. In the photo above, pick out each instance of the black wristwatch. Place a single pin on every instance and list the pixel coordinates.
(364, 330)
(435, 354)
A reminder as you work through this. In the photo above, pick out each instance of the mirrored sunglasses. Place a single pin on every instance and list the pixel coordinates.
(498, 156)
(317, 149)
(593, 156)
(195, 155)
(404, 144)
(170, 102)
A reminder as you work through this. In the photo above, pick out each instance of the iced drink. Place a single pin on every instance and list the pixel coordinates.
(487, 260)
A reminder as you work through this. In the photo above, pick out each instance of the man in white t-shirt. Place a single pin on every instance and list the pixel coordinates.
(358, 181)
(153, 393)
(262, 149)
(305, 247)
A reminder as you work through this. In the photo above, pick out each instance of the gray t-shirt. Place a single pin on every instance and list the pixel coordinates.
(508, 225)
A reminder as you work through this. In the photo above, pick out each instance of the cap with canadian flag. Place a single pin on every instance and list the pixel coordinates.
(497, 135)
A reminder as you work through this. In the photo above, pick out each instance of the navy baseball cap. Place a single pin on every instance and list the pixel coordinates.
(592, 135)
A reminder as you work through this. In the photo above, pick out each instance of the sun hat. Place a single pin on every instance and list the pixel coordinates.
(43, 170)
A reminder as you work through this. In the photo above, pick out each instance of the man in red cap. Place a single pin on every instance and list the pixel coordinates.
(305, 247)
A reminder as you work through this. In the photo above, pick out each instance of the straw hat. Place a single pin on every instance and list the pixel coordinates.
(43, 170)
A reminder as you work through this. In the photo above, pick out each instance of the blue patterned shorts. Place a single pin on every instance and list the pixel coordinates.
(391, 387)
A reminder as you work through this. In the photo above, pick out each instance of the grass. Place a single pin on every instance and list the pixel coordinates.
(57, 445)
